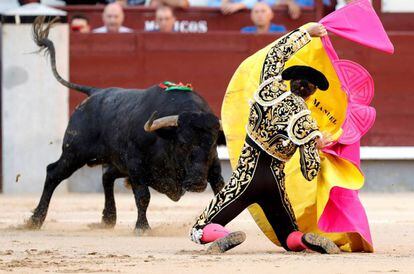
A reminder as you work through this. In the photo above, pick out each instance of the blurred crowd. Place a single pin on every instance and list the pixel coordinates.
(261, 12)
(227, 6)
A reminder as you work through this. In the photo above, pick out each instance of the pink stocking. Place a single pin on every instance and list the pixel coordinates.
(294, 241)
(212, 232)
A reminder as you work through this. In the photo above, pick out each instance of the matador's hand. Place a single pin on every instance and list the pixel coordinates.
(324, 141)
(316, 30)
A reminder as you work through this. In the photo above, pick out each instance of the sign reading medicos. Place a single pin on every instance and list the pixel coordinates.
(184, 26)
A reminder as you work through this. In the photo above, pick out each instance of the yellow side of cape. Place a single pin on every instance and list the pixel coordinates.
(329, 109)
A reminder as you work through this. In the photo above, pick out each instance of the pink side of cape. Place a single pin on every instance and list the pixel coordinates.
(345, 213)
(359, 23)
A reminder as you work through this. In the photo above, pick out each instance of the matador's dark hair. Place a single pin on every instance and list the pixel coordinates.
(306, 73)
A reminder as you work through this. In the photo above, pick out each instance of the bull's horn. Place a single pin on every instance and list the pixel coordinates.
(153, 124)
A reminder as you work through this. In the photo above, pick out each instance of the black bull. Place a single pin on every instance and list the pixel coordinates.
(119, 129)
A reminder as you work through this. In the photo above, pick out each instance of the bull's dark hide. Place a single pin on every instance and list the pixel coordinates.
(108, 128)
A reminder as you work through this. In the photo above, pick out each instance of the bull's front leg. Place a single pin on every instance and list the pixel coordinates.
(141, 194)
(142, 199)
(214, 175)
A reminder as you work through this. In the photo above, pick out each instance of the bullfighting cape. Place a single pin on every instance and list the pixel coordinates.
(329, 204)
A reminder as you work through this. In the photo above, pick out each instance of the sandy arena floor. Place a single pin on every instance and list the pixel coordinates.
(67, 245)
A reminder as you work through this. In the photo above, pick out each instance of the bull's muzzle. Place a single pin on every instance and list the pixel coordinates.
(195, 185)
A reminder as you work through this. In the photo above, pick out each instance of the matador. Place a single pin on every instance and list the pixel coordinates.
(279, 123)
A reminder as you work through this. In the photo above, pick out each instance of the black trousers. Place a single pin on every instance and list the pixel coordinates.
(258, 178)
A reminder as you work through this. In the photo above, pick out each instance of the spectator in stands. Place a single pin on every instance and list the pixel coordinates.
(294, 6)
(310, 3)
(129, 2)
(80, 23)
(85, 2)
(341, 3)
(262, 16)
(113, 17)
(165, 19)
(198, 3)
(231, 6)
(155, 3)
(94, 2)
(171, 3)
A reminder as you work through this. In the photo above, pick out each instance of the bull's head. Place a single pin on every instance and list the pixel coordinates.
(195, 141)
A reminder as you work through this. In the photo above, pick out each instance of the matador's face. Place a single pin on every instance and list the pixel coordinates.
(302, 88)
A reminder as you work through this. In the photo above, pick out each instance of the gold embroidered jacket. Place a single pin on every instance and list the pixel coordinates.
(280, 121)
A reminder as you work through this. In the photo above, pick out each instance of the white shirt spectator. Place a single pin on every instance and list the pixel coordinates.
(113, 17)
(198, 3)
(104, 29)
(342, 3)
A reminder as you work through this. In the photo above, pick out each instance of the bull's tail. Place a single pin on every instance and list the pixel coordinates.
(40, 36)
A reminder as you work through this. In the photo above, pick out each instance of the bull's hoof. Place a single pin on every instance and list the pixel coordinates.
(102, 225)
(32, 224)
(226, 243)
(142, 231)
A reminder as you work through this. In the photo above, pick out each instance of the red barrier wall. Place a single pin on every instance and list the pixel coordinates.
(143, 59)
(208, 61)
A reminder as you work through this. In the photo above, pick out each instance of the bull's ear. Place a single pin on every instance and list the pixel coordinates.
(199, 120)
(187, 118)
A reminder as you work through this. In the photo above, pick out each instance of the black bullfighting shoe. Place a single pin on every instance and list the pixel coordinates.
(320, 244)
(226, 243)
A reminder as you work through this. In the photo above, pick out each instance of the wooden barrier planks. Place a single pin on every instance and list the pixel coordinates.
(209, 60)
